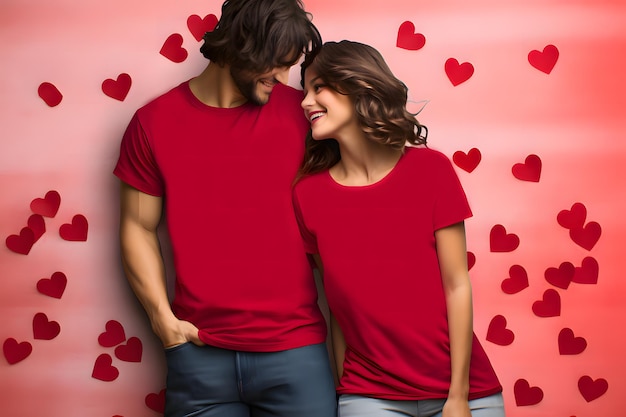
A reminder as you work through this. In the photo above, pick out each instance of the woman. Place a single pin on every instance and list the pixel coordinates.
(385, 222)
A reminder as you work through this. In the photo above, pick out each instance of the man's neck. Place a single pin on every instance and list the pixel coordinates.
(215, 87)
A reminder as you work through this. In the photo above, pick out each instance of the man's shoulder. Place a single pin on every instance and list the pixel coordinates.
(173, 97)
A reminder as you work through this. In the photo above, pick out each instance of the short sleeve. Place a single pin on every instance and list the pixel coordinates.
(310, 241)
(136, 165)
(451, 205)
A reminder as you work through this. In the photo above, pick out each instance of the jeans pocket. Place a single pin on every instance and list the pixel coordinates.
(175, 348)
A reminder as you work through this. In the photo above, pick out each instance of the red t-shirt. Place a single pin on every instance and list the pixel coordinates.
(242, 275)
(382, 277)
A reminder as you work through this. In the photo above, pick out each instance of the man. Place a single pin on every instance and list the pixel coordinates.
(217, 155)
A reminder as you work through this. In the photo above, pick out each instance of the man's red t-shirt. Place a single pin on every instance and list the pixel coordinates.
(382, 277)
(242, 276)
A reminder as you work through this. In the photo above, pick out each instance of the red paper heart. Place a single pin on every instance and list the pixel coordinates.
(44, 329)
(501, 241)
(562, 276)
(119, 88)
(544, 60)
(574, 217)
(75, 231)
(408, 39)
(103, 368)
(517, 281)
(172, 48)
(570, 344)
(21, 243)
(549, 306)
(47, 206)
(592, 389)
(53, 286)
(587, 273)
(458, 73)
(467, 161)
(15, 352)
(525, 394)
(586, 237)
(113, 335)
(131, 351)
(471, 260)
(37, 224)
(498, 333)
(50, 94)
(530, 170)
(199, 26)
(156, 402)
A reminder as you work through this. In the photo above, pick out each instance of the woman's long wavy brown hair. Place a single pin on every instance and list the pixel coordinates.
(360, 72)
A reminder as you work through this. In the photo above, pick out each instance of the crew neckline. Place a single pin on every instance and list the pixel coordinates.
(196, 102)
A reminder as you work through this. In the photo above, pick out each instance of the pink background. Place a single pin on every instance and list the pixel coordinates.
(572, 118)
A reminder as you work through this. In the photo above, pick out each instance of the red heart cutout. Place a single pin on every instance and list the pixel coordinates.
(570, 344)
(586, 237)
(75, 231)
(525, 394)
(498, 333)
(119, 88)
(21, 243)
(591, 389)
(408, 39)
(47, 206)
(530, 170)
(131, 351)
(103, 368)
(15, 352)
(37, 224)
(199, 26)
(544, 60)
(156, 402)
(53, 286)
(517, 281)
(458, 73)
(500, 241)
(574, 217)
(587, 273)
(50, 94)
(172, 48)
(471, 260)
(561, 276)
(467, 161)
(113, 335)
(43, 329)
(549, 306)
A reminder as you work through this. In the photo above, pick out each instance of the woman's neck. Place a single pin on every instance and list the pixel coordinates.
(364, 163)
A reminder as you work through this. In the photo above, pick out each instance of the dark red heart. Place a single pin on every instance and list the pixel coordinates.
(53, 286)
(544, 60)
(530, 170)
(587, 236)
(47, 206)
(588, 272)
(501, 241)
(525, 394)
(408, 39)
(562, 276)
(113, 334)
(198, 26)
(458, 73)
(15, 351)
(570, 344)
(156, 402)
(37, 224)
(44, 329)
(131, 351)
(592, 389)
(21, 243)
(517, 281)
(103, 368)
(549, 305)
(574, 217)
(471, 260)
(50, 94)
(172, 48)
(118, 88)
(498, 333)
(467, 161)
(75, 231)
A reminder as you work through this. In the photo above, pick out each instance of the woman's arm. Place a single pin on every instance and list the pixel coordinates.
(452, 255)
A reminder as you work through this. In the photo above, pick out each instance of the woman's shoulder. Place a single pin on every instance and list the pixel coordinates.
(425, 155)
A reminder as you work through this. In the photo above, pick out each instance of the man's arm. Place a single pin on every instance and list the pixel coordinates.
(144, 267)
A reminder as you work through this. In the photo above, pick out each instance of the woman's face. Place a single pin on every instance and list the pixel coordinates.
(331, 113)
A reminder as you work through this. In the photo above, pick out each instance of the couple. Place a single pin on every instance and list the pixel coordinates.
(379, 212)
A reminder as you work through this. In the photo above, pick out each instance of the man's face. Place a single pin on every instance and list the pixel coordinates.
(257, 88)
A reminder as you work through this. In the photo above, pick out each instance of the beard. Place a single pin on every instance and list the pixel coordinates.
(246, 82)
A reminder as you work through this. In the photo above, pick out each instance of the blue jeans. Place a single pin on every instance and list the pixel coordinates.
(358, 406)
(205, 381)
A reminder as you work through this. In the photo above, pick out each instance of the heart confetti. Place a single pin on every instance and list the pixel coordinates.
(156, 402)
(530, 170)
(570, 344)
(15, 351)
(131, 351)
(47, 206)
(44, 329)
(458, 73)
(75, 231)
(119, 88)
(408, 39)
(198, 26)
(172, 48)
(525, 394)
(587, 236)
(113, 335)
(50, 94)
(501, 241)
(544, 60)
(562, 276)
(21, 243)
(54, 286)
(37, 224)
(471, 260)
(592, 389)
(587, 272)
(103, 369)
(549, 305)
(467, 161)
(517, 281)
(498, 333)
(573, 218)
